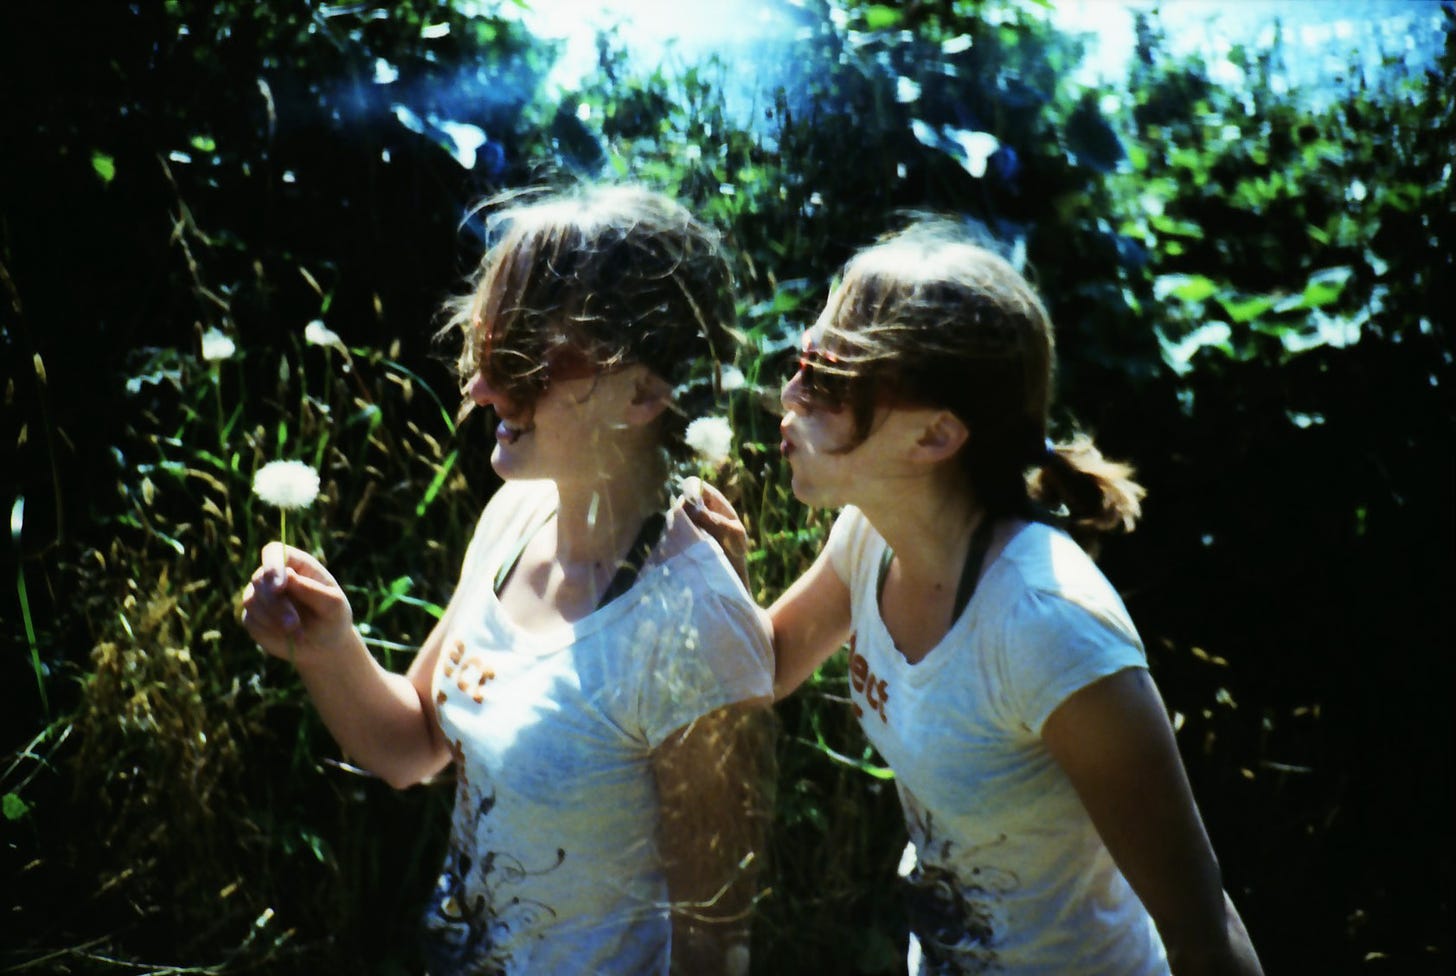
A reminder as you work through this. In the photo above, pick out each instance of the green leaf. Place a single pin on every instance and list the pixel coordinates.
(447, 415)
(1325, 287)
(1138, 157)
(1404, 197)
(17, 531)
(1178, 354)
(316, 845)
(14, 806)
(1176, 228)
(104, 165)
(437, 482)
(879, 16)
(369, 414)
(863, 765)
(1185, 159)
(396, 590)
(1187, 288)
(1245, 309)
(211, 459)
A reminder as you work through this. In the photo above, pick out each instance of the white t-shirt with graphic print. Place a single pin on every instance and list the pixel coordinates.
(1005, 872)
(553, 864)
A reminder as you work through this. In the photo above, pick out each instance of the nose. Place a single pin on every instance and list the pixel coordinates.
(481, 392)
(792, 395)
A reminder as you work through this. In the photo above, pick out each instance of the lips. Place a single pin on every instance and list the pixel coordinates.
(507, 433)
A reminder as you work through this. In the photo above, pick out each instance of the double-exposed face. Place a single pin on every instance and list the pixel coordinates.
(572, 429)
(831, 464)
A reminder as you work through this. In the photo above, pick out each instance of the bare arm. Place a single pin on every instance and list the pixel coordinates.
(715, 784)
(1114, 742)
(810, 622)
(384, 721)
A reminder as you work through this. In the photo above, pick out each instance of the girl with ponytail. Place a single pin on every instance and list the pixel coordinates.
(995, 669)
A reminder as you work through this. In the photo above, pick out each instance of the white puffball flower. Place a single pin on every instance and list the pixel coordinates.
(216, 346)
(732, 378)
(318, 334)
(711, 437)
(286, 484)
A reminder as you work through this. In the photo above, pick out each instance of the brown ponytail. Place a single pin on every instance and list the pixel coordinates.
(1091, 494)
(934, 315)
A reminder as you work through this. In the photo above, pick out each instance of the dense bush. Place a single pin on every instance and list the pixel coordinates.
(1244, 290)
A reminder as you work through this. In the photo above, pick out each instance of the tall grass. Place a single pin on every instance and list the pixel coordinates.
(190, 808)
(191, 813)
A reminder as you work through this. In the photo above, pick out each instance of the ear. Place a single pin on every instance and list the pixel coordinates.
(941, 436)
(650, 397)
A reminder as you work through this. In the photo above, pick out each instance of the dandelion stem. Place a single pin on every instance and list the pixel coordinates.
(17, 520)
(283, 571)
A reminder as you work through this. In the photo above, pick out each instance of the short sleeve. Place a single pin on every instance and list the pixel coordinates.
(849, 537)
(710, 648)
(514, 507)
(1052, 647)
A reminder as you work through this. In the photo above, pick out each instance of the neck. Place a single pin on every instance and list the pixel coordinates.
(598, 519)
(928, 524)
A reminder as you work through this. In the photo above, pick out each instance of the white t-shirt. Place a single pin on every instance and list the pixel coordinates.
(1005, 872)
(553, 865)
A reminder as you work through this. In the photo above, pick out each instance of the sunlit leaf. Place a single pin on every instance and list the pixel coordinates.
(437, 482)
(14, 806)
(369, 414)
(1137, 156)
(1187, 288)
(1176, 228)
(1323, 288)
(1178, 354)
(1326, 286)
(397, 588)
(104, 165)
(1245, 309)
(1404, 197)
(879, 16)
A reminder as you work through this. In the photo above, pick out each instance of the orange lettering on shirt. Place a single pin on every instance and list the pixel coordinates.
(875, 690)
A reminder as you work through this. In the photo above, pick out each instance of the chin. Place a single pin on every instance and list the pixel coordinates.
(810, 494)
(505, 466)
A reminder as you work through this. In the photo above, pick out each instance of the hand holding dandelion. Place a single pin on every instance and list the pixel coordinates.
(712, 439)
(286, 485)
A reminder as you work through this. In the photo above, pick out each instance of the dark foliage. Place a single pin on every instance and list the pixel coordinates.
(1246, 293)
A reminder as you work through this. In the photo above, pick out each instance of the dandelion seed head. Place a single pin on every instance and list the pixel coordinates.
(711, 438)
(216, 346)
(733, 379)
(318, 334)
(286, 484)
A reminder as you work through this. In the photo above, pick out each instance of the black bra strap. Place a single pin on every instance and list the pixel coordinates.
(631, 566)
(970, 570)
(642, 546)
